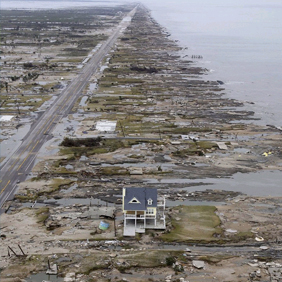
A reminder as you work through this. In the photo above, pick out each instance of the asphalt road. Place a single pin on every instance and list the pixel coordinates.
(19, 165)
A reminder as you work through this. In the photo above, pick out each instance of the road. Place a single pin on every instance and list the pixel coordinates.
(15, 169)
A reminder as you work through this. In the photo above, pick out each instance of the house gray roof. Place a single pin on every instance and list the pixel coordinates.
(136, 199)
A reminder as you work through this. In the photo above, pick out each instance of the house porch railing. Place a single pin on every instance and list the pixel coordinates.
(139, 216)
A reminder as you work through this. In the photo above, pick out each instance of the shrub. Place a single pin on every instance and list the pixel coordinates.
(170, 261)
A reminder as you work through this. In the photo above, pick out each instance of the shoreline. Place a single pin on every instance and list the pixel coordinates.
(250, 71)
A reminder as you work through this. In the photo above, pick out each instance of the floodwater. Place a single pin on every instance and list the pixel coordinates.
(83, 101)
(44, 277)
(261, 184)
(12, 139)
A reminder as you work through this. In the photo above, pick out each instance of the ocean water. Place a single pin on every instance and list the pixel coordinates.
(241, 44)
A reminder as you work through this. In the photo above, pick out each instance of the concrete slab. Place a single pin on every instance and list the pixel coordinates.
(106, 125)
(6, 118)
(221, 145)
(129, 231)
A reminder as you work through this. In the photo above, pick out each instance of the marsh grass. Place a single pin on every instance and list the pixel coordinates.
(195, 148)
(194, 224)
(11, 102)
(42, 214)
(146, 259)
(101, 147)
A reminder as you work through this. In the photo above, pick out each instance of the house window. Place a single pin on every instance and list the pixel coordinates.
(150, 211)
(150, 202)
(134, 201)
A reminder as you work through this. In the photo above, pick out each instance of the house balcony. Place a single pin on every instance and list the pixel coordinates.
(139, 216)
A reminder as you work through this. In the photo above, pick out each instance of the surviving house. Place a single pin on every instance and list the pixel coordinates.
(142, 210)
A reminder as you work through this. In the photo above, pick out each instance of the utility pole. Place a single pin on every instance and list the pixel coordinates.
(122, 128)
(114, 214)
(18, 107)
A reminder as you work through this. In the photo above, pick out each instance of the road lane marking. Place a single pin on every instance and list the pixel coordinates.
(5, 187)
(27, 156)
(47, 120)
(24, 150)
(50, 124)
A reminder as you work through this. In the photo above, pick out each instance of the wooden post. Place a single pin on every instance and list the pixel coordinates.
(12, 251)
(115, 223)
(17, 103)
(21, 250)
(122, 128)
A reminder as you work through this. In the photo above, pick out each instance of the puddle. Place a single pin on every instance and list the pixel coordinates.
(64, 259)
(69, 167)
(83, 159)
(42, 82)
(241, 150)
(13, 139)
(83, 101)
(70, 189)
(42, 276)
(103, 68)
(92, 86)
